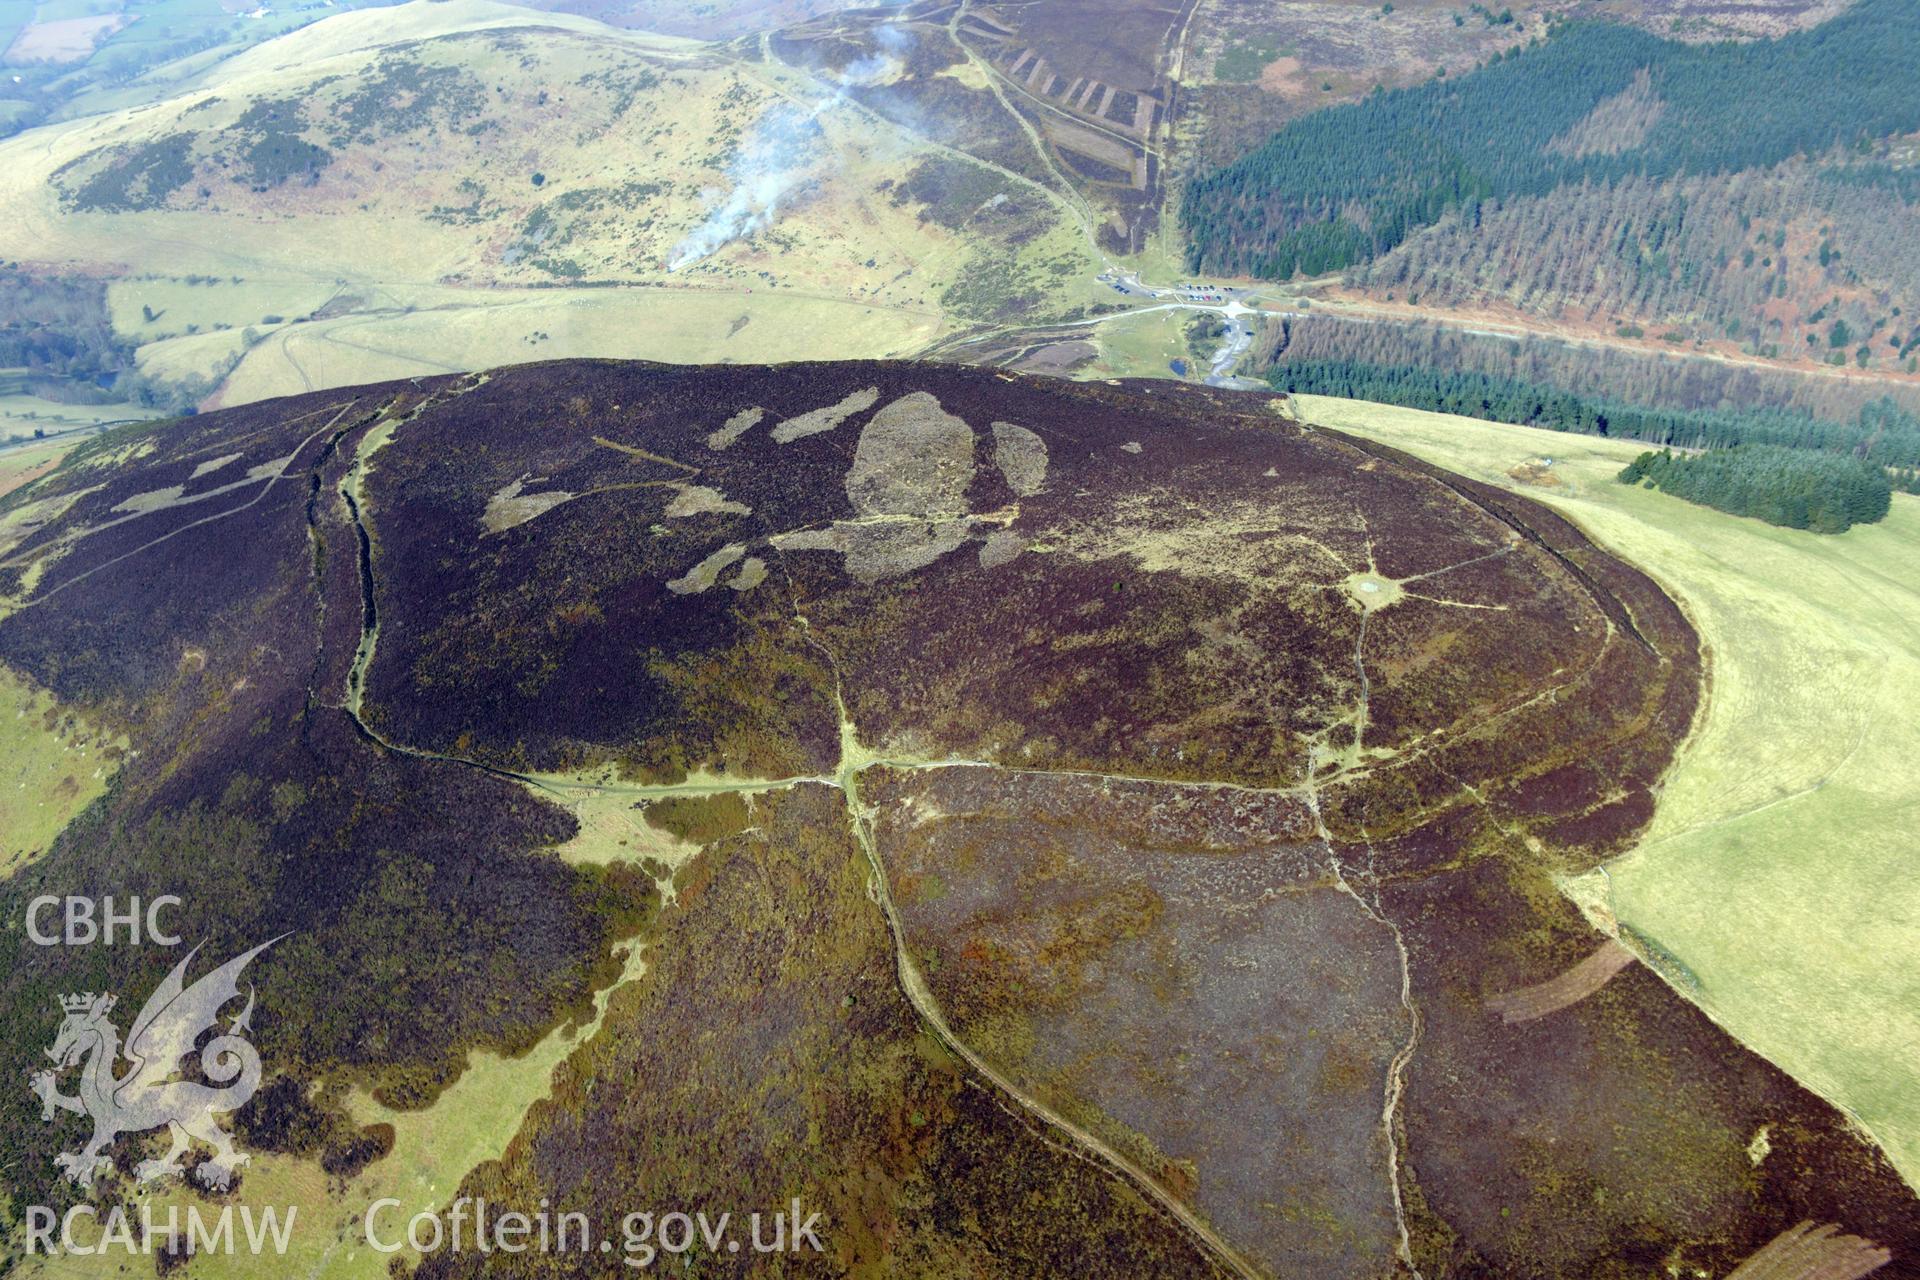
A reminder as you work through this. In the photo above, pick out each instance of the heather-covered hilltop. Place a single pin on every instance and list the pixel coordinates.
(1046, 828)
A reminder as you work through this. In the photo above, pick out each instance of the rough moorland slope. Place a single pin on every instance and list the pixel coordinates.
(1118, 824)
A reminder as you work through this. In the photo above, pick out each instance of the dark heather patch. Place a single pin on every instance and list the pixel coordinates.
(1164, 799)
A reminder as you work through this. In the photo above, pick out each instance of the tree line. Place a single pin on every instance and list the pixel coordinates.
(56, 329)
(58, 333)
(1346, 184)
(1674, 379)
(1880, 436)
(1824, 493)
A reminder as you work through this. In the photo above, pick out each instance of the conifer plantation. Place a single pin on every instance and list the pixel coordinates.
(1788, 487)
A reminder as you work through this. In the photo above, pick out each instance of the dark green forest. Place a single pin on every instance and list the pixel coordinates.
(57, 342)
(1822, 492)
(1882, 434)
(1340, 186)
(1628, 375)
(56, 331)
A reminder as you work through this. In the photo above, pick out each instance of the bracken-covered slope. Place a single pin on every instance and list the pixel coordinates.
(1094, 829)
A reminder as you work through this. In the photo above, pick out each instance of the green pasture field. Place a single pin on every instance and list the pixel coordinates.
(1779, 865)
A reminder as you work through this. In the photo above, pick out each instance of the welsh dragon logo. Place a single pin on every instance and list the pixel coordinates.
(147, 1096)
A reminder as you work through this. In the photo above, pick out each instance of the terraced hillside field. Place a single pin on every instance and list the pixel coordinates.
(1044, 827)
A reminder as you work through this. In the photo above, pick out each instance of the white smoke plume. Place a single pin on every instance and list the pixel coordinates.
(894, 39)
(772, 163)
(767, 170)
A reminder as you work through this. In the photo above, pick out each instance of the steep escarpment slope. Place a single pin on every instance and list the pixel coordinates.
(1045, 828)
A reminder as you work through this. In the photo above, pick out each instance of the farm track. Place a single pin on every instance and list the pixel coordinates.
(1361, 884)
(1368, 312)
(1068, 195)
(266, 486)
(1403, 1057)
(1809, 1252)
(913, 985)
(1527, 1004)
(846, 779)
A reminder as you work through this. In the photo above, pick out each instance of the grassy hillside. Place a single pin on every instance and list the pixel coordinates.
(447, 186)
(65, 59)
(1776, 870)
